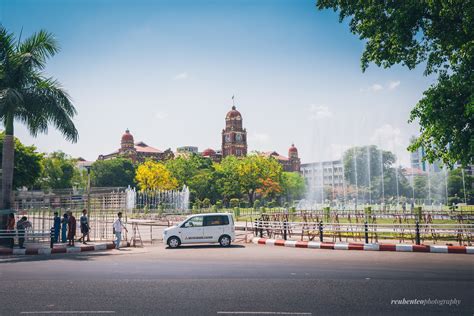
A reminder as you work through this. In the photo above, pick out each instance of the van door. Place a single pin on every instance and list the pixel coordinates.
(191, 231)
(214, 227)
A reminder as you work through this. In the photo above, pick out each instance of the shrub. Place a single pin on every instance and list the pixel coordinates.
(218, 205)
(234, 202)
(206, 203)
(256, 204)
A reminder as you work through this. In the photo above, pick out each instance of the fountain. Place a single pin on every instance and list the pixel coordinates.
(169, 200)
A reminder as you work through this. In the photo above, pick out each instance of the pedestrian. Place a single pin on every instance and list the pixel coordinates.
(71, 229)
(117, 230)
(22, 225)
(64, 222)
(11, 229)
(84, 220)
(57, 226)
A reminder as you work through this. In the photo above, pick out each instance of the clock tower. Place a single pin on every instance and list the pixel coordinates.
(234, 137)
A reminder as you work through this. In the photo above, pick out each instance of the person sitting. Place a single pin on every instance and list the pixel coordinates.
(22, 225)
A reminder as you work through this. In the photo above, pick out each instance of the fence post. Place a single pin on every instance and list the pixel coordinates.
(285, 223)
(417, 232)
(51, 244)
(256, 228)
(261, 229)
(366, 229)
(321, 237)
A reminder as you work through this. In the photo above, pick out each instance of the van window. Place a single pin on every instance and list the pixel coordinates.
(195, 221)
(216, 220)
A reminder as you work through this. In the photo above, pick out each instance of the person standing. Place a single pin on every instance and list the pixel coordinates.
(71, 226)
(22, 225)
(64, 222)
(56, 226)
(118, 226)
(84, 220)
(11, 229)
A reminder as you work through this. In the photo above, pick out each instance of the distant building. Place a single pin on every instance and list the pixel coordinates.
(323, 174)
(292, 163)
(210, 153)
(83, 165)
(234, 136)
(137, 152)
(416, 161)
(187, 150)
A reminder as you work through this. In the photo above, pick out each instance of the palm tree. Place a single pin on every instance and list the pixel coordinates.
(28, 97)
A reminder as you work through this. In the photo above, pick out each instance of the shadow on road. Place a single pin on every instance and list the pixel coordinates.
(83, 256)
(204, 247)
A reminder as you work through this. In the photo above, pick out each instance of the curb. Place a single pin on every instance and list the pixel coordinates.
(49, 251)
(361, 246)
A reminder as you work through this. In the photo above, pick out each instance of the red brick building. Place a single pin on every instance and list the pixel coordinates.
(292, 163)
(137, 152)
(234, 136)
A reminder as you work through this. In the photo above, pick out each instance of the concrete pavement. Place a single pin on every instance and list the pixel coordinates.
(209, 280)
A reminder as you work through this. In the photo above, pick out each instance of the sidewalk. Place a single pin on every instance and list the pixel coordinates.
(363, 246)
(43, 249)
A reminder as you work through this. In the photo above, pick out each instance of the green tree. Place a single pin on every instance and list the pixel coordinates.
(119, 172)
(365, 155)
(257, 173)
(293, 185)
(28, 167)
(29, 97)
(227, 179)
(456, 185)
(197, 173)
(439, 34)
(59, 171)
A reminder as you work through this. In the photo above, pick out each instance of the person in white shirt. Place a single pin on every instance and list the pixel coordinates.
(118, 226)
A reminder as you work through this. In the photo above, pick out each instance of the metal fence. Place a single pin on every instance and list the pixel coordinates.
(367, 232)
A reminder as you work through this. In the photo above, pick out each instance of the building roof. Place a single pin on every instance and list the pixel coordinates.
(293, 149)
(144, 148)
(233, 114)
(208, 152)
(127, 136)
(275, 155)
(413, 171)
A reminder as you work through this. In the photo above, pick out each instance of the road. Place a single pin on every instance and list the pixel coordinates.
(250, 279)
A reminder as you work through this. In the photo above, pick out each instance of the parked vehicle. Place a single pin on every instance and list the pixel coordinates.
(202, 228)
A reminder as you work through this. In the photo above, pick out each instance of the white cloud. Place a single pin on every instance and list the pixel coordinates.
(376, 87)
(318, 112)
(390, 138)
(393, 84)
(259, 137)
(181, 76)
(161, 115)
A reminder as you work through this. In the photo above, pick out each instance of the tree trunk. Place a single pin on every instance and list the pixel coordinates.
(7, 169)
(251, 195)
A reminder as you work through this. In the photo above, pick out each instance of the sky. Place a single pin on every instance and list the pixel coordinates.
(167, 70)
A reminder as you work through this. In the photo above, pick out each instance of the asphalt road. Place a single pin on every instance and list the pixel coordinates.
(241, 280)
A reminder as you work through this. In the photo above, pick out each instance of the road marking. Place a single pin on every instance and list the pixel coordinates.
(263, 313)
(69, 312)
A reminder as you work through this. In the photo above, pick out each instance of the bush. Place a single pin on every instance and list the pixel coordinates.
(218, 205)
(206, 203)
(234, 202)
(256, 204)
(197, 204)
(272, 204)
(236, 211)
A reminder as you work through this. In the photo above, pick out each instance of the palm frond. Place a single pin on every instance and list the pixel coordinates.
(46, 102)
(6, 44)
(38, 47)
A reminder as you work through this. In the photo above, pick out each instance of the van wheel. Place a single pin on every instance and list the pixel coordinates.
(174, 242)
(224, 241)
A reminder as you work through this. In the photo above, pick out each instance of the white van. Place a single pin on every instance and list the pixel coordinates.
(202, 228)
